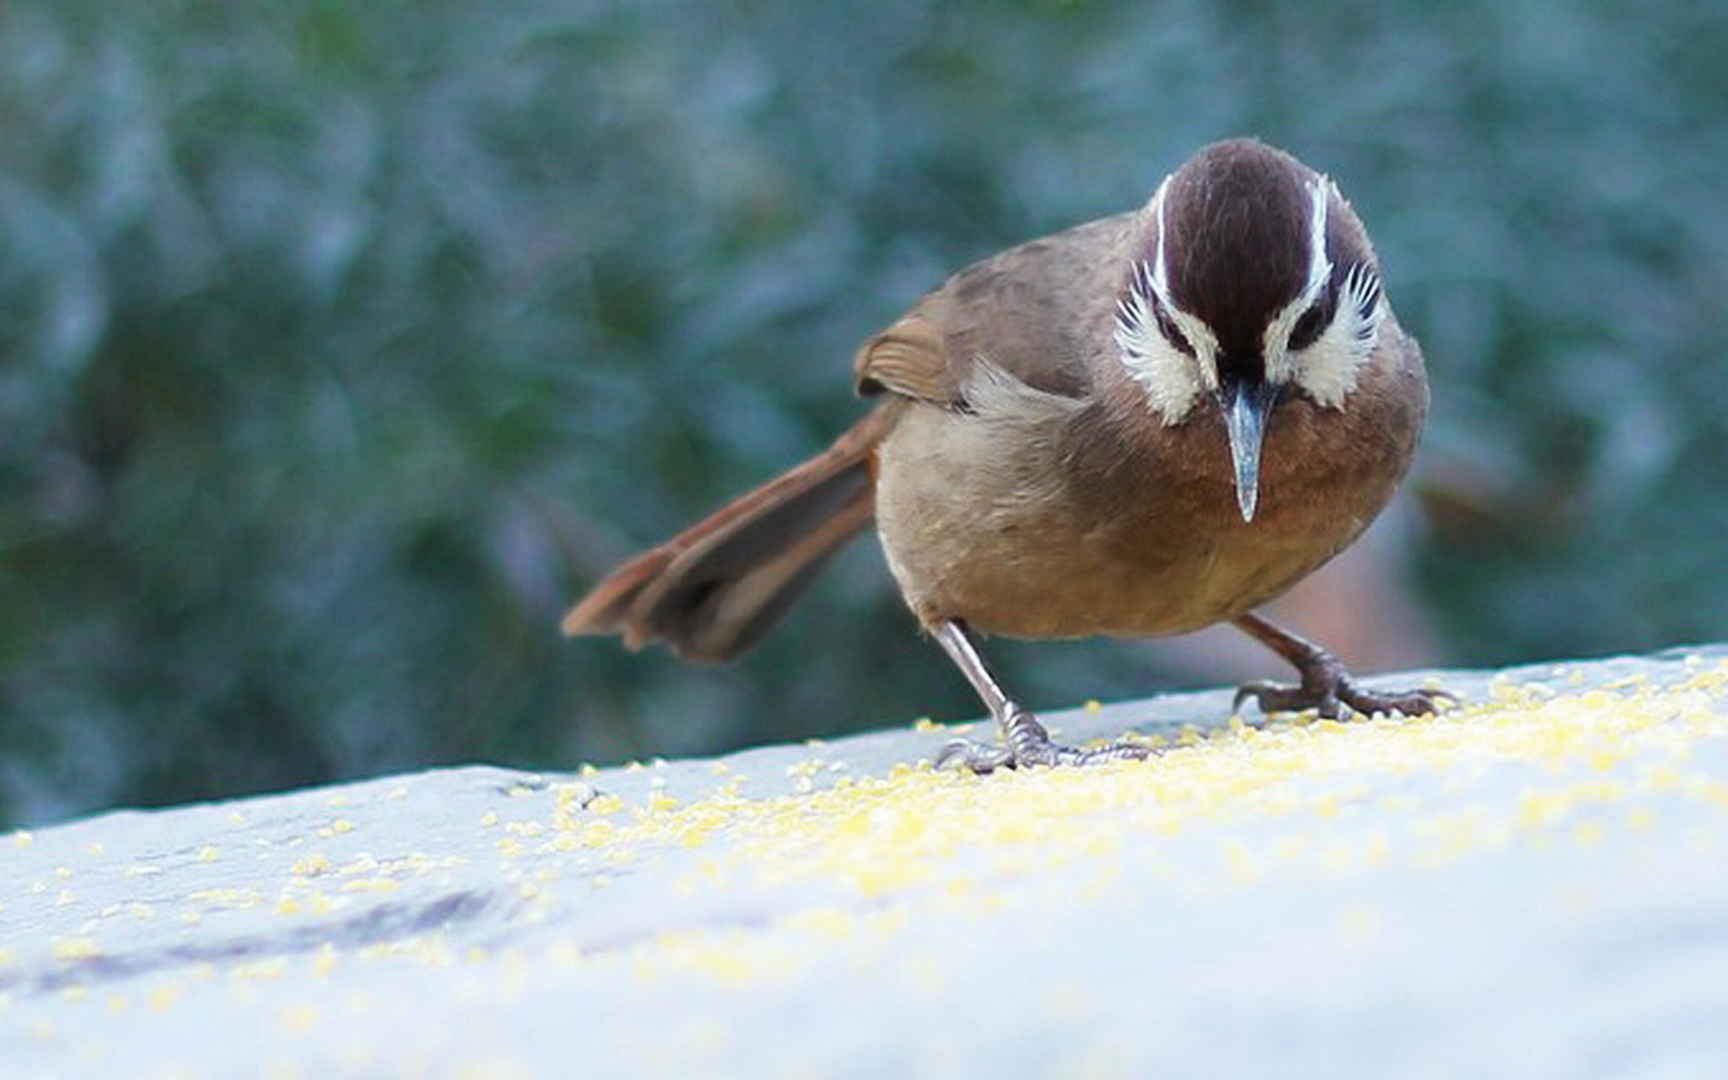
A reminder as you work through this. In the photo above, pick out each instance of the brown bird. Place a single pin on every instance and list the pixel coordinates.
(1140, 426)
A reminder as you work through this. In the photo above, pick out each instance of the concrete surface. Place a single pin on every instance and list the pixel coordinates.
(1532, 885)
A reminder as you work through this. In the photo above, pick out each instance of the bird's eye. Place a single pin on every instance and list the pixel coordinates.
(1308, 327)
(1167, 327)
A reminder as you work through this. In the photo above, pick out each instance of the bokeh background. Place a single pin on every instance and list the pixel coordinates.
(341, 344)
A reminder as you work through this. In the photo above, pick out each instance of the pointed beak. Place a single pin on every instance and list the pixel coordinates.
(1246, 404)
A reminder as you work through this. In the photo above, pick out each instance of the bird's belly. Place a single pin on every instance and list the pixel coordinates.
(1018, 583)
(1014, 551)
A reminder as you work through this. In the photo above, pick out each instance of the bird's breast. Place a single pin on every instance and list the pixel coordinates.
(1025, 523)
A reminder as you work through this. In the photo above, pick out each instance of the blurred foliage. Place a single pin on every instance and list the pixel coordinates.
(344, 343)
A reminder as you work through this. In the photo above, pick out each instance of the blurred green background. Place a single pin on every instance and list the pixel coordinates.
(344, 343)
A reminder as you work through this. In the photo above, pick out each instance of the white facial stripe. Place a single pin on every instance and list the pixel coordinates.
(1169, 377)
(1328, 369)
(1275, 342)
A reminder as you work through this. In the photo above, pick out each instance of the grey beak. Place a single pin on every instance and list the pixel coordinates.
(1246, 404)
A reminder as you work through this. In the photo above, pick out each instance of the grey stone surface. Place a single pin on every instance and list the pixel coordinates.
(1535, 885)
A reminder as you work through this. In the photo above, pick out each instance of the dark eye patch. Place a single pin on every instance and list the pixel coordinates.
(1167, 327)
(1307, 329)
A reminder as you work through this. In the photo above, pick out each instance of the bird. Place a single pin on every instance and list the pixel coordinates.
(1137, 427)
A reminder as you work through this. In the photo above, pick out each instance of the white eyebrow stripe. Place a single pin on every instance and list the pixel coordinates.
(1319, 266)
(1276, 339)
(1159, 278)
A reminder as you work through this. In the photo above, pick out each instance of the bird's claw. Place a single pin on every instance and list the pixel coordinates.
(1026, 743)
(1328, 689)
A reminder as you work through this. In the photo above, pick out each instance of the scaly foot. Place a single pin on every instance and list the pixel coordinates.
(1326, 686)
(1027, 743)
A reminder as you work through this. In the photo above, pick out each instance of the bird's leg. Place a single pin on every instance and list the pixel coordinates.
(1325, 686)
(1024, 739)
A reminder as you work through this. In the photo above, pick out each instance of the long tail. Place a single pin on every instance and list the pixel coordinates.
(713, 590)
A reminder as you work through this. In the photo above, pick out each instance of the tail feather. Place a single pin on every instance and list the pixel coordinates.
(713, 590)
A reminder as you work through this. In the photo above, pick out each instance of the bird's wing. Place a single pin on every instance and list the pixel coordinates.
(1032, 311)
(911, 359)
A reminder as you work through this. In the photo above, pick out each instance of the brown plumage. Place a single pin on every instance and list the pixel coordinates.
(1070, 443)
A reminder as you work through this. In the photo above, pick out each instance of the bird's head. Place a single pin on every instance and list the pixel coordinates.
(1252, 281)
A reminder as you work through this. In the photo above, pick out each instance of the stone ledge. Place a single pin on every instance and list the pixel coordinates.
(1535, 883)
